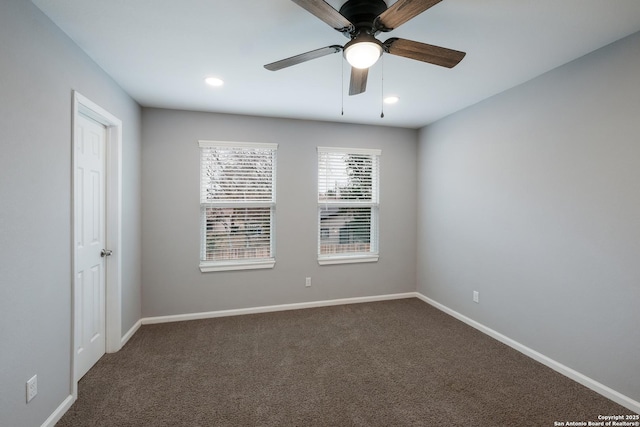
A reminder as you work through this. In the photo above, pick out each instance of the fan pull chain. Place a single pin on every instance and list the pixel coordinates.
(342, 81)
(382, 88)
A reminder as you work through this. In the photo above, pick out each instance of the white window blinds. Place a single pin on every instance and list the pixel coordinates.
(237, 205)
(348, 204)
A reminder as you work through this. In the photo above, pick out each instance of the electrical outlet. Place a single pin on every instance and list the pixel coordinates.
(307, 282)
(32, 388)
(476, 297)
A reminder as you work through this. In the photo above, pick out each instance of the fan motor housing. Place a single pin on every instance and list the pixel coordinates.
(362, 13)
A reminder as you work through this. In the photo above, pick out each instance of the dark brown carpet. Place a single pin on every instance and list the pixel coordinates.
(392, 363)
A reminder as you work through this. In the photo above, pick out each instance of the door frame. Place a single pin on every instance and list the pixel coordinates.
(113, 222)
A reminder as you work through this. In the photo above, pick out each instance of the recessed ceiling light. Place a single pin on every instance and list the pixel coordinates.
(391, 99)
(213, 81)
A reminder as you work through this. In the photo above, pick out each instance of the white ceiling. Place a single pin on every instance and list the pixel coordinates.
(160, 51)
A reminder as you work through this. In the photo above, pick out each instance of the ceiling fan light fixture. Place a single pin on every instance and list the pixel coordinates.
(360, 21)
(362, 54)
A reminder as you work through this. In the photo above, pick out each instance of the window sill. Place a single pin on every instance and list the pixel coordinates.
(211, 266)
(347, 259)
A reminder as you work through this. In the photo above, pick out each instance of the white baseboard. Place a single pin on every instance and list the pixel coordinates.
(130, 333)
(272, 308)
(599, 388)
(59, 412)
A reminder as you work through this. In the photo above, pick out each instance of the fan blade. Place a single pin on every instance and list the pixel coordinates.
(303, 57)
(323, 11)
(358, 82)
(402, 11)
(424, 52)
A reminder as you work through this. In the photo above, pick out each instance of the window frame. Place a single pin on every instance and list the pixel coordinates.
(237, 264)
(374, 204)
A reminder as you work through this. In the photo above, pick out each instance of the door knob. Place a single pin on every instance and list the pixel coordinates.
(106, 252)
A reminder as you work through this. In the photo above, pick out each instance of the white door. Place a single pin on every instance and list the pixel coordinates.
(89, 236)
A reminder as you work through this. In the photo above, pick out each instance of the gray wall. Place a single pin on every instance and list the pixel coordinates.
(172, 282)
(532, 198)
(39, 68)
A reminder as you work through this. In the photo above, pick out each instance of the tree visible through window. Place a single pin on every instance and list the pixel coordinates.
(347, 204)
(237, 205)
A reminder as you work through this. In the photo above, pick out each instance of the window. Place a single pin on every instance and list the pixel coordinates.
(348, 205)
(237, 205)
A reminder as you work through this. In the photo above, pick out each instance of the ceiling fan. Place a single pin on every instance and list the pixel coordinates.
(361, 21)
